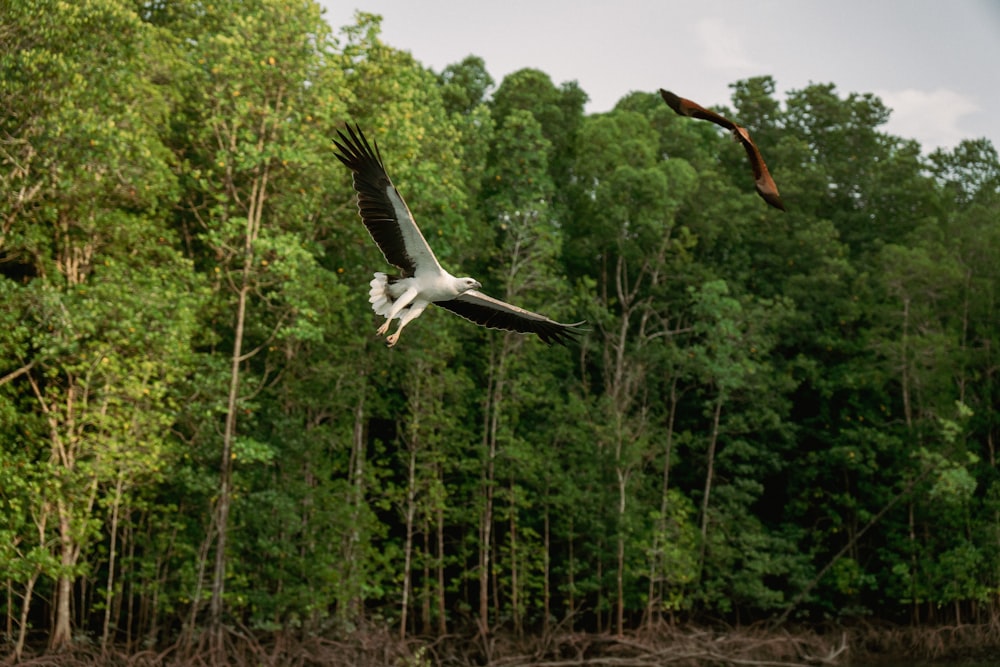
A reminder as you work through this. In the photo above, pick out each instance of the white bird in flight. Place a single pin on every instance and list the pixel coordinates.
(422, 281)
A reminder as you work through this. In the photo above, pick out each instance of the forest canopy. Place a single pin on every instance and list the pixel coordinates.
(772, 415)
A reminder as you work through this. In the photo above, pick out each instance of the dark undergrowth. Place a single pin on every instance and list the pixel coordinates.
(873, 641)
(666, 645)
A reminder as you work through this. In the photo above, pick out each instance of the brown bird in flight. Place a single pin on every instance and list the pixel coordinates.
(762, 177)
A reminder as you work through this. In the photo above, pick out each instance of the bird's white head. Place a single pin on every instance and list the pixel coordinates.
(465, 284)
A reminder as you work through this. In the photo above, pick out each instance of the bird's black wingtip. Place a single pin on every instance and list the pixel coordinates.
(354, 146)
(563, 334)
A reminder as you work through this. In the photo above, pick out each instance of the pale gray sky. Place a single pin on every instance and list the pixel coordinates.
(935, 63)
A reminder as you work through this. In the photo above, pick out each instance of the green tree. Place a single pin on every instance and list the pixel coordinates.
(730, 355)
(465, 85)
(253, 80)
(517, 194)
(627, 212)
(559, 112)
(871, 185)
(89, 174)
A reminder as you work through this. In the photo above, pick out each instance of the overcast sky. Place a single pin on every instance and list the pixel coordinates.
(935, 63)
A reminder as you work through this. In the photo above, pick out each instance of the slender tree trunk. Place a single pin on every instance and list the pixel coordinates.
(655, 592)
(70, 547)
(112, 553)
(495, 397)
(600, 588)
(709, 473)
(964, 340)
(485, 528)
(439, 514)
(650, 615)
(912, 536)
(571, 576)
(9, 610)
(81, 594)
(354, 591)
(133, 625)
(226, 465)
(546, 567)
(905, 365)
(495, 582)
(667, 457)
(254, 218)
(515, 597)
(41, 522)
(426, 592)
(204, 552)
(411, 508)
(623, 476)
(64, 458)
(62, 633)
(622, 387)
(22, 627)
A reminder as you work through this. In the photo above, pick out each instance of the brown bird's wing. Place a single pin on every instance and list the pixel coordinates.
(686, 107)
(763, 182)
(765, 185)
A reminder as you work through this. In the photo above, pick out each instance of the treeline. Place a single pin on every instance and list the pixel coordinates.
(771, 416)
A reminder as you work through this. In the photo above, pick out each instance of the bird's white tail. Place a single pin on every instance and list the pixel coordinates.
(378, 295)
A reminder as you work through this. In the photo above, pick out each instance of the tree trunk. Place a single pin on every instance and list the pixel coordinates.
(623, 476)
(226, 465)
(439, 514)
(495, 397)
(912, 536)
(426, 592)
(189, 630)
(546, 567)
(485, 541)
(353, 608)
(22, 628)
(254, 217)
(112, 553)
(709, 473)
(410, 512)
(62, 634)
(570, 576)
(65, 459)
(600, 588)
(904, 354)
(653, 611)
(515, 597)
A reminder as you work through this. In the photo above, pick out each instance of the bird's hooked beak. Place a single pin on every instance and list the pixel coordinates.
(476, 284)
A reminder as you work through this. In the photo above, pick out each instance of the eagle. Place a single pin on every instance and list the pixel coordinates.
(421, 280)
(766, 187)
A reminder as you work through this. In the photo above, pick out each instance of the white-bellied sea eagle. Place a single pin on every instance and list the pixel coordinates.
(765, 185)
(422, 281)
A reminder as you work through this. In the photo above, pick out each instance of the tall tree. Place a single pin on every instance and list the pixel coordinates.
(517, 193)
(88, 173)
(559, 112)
(253, 82)
(629, 203)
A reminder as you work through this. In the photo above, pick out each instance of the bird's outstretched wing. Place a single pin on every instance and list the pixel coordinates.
(382, 208)
(495, 314)
(765, 185)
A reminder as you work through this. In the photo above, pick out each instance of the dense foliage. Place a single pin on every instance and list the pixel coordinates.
(771, 415)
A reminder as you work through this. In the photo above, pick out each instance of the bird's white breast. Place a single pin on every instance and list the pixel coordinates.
(430, 287)
(438, 287)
